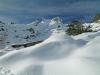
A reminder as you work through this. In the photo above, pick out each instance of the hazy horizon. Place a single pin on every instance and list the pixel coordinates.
(25, 11)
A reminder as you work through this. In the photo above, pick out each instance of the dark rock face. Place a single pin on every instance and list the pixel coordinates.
(26, 45)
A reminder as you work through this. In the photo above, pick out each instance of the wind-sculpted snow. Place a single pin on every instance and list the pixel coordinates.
(5, 71)
(91, 50)
(87, 36)
(60, 54)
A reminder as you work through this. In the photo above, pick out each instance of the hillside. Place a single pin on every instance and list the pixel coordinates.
(14, 35)
(19, 34)
(59, 54)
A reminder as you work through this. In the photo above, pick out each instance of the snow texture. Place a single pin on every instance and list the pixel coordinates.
(60, 54)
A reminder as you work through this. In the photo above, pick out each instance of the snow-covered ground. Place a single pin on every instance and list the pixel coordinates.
(60, 54)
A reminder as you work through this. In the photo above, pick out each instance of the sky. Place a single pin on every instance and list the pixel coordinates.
(25, 11)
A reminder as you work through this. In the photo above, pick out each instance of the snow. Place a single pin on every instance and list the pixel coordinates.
(56, 47)
(38, 30)
(87, 36)
(55, 21)
(28, 33)
(59, 54)
(21, 30)
(94, 26)
(83, 61)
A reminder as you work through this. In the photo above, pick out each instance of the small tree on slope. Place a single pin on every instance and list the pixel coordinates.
(76, 27)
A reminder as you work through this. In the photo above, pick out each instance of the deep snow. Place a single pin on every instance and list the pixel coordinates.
(60, 54)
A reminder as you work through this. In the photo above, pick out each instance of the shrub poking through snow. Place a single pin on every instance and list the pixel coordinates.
(76, 27)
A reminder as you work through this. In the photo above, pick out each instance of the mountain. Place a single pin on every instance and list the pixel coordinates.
(23, 35)
(37, 31)
(56, 21)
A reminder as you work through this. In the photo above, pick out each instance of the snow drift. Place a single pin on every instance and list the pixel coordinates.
(60, 54)
(56, 47)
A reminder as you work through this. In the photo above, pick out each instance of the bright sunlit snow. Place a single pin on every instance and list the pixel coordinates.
(58, 54)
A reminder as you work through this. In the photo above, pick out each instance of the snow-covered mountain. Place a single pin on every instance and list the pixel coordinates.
(37, 31)
(17, 34)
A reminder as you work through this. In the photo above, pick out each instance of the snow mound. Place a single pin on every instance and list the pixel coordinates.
(92, 49)
(83, 61)
(60, 54)
(58, 46)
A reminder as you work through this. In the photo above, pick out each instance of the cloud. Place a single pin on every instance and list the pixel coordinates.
(46, 6)
(21, 9)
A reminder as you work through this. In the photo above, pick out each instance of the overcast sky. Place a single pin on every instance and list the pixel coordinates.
(26, 10)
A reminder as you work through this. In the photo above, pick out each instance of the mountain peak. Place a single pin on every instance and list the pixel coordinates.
(56, 20)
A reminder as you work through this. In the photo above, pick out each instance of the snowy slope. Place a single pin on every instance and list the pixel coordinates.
(58, 46)
(39, 30)
(2, 35)
(36, 31)
(58, 55)
(94, 26)
(21, 33)
(87, 36)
